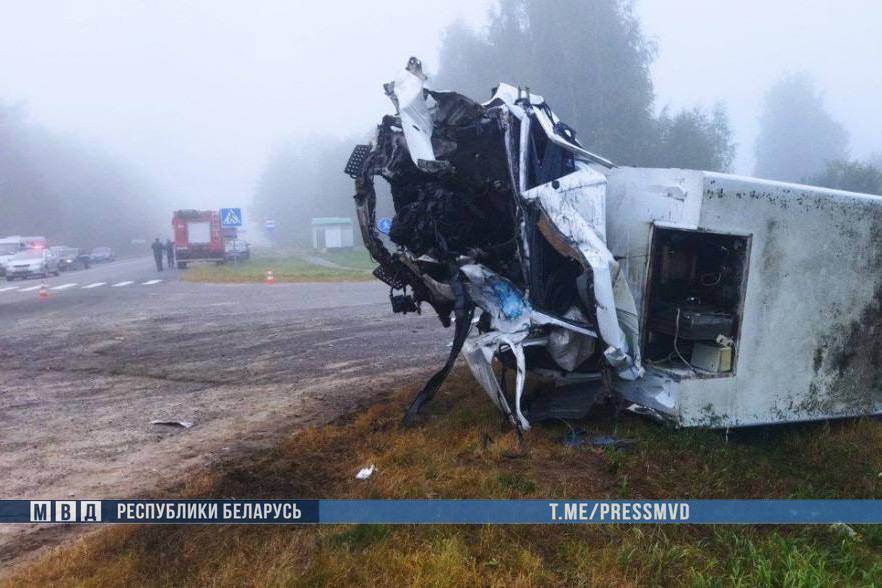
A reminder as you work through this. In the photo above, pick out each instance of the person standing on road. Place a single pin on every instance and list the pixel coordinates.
(170, 253)
(157, 253)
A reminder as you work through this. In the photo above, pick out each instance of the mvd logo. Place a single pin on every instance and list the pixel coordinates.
(65, 511)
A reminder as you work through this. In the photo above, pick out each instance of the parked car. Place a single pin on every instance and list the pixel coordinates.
(9, 246)
(70, 258)
(102, 254)
(32, 263)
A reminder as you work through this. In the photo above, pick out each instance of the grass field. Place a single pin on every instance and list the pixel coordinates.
(462, 450)
(287, 265)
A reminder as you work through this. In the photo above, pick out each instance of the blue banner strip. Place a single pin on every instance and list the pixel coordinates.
(551, 511)
(555, 511)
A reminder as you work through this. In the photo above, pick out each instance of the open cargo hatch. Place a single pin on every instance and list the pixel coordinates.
(693, 304)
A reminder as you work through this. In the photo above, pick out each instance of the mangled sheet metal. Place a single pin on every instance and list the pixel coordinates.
(499, 224)
(757, 302)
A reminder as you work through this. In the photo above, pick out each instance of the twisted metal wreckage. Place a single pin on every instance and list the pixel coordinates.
(752, 300)
(499, 220)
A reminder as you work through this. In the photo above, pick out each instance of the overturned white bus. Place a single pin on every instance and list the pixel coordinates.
(701, 298)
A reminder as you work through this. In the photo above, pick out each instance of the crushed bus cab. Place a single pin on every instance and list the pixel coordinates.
(702, 299)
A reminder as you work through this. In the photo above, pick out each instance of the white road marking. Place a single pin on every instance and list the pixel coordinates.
(87, 287)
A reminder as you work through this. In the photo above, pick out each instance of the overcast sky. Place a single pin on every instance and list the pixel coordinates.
(733, 51)
(197, 93)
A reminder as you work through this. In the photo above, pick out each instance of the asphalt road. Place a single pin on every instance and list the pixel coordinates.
(107, 278)
(84, 372)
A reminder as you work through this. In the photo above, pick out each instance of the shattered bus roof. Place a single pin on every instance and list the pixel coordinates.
(556, 265)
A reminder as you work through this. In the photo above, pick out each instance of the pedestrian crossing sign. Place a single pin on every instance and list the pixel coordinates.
(231, 217)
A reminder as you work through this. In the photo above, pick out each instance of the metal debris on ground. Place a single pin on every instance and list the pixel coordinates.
(577, 439)
(183, 424)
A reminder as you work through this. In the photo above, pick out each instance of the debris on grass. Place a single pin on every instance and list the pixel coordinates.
(577, 439)
(365, 473)
(844, 529)
(466, 455)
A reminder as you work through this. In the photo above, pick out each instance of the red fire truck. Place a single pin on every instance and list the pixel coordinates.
(198, 236)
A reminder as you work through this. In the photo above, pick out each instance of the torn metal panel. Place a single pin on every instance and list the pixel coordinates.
(569, 228)
(406, 92)
(501, 198)
(480, 353)
(700, 298)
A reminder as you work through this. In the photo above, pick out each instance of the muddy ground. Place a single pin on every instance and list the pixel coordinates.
(83, 374)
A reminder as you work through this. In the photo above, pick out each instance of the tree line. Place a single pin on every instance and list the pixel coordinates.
(799, 141)
(591, 61)
(302, 180)
(68, 191)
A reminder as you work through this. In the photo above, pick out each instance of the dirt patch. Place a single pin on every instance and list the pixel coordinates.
(102, 450)
(248, 365)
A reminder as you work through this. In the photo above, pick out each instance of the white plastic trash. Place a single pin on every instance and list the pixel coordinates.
(365, 473)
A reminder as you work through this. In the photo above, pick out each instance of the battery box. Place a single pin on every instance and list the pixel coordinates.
(712, 357)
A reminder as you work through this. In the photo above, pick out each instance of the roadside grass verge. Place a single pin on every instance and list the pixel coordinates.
(462, 450)
(287, 266)
(357, 258)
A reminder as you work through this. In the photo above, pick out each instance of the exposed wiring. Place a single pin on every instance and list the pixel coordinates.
(677, 349)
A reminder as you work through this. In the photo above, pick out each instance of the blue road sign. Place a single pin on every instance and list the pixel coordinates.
(231, 217)
(384, 225)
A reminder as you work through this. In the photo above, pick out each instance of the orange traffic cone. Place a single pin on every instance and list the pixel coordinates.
(270, 278)
(44, 293)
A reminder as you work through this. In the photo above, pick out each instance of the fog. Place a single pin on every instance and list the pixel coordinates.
(197, 93)
(198, 96)
(734, 51)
